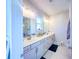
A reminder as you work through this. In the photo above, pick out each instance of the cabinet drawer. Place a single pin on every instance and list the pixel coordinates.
(30, 55)
(43, 41)
(35, 45)
(26, 49)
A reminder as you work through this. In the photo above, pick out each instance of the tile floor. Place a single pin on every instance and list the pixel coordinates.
(61, 53)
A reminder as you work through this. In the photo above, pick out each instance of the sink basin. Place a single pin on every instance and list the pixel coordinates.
(40, 34)
(29, 38)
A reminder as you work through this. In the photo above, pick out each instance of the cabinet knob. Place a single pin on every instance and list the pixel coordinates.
(22, 55)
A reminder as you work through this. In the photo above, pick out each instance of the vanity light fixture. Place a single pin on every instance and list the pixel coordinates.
(28, 13)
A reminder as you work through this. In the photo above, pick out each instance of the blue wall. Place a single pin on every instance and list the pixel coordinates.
(8, 29)
(14, 30)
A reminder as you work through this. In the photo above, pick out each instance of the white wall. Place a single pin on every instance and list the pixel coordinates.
(58, 24)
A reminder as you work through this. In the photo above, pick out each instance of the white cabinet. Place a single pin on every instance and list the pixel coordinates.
(27, 56)
(35, 45)
(38, 49)
(30, 54)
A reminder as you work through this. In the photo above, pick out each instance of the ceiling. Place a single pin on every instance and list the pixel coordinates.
(48, 7)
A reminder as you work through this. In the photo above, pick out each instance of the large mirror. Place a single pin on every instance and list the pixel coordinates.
(33, 26)
(39, 24)
(26, 26)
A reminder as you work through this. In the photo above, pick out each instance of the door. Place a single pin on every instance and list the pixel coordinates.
(16, 30)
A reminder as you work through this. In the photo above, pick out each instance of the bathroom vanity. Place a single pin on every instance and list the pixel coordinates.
(37, 46)
(36, 37)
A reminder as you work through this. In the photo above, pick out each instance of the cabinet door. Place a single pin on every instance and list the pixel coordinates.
(41, 49)
(27, 56)
(31, 54)
(45, 44)
(49, 42)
